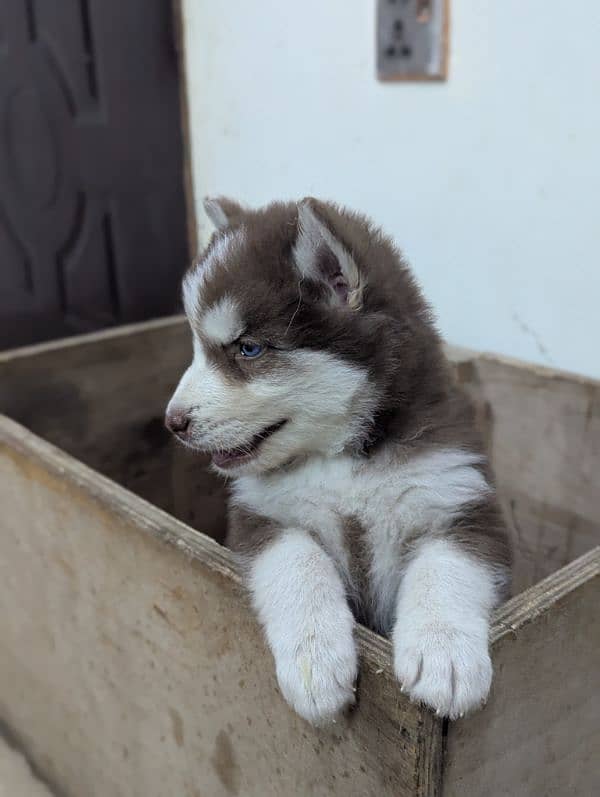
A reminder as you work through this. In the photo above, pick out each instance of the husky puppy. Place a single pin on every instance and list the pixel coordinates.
(359, 487)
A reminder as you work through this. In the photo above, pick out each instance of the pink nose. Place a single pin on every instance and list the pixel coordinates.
(177, 421)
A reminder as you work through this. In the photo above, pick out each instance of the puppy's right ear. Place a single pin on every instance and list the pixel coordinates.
(223, 212)
(321, 256)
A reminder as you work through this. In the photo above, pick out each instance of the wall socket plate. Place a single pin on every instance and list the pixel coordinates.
(412, 39)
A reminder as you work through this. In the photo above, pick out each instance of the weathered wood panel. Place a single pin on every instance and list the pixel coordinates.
(540, 731)
(102, 398)
(543, 433)
(130, 665)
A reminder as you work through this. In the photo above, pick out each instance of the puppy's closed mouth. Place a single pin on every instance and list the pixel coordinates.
(237, 456)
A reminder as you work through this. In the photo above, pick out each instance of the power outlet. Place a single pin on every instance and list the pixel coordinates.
(412, 39)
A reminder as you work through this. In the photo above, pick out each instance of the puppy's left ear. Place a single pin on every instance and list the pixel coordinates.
(320, 256)
(223, 212)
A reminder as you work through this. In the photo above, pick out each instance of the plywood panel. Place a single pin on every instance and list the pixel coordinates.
(539, 733)
(543, 434)
(102, 398)
(130, 664)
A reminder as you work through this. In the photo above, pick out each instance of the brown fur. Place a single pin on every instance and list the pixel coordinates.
(248, 533)
(360, 562)
(392, 335)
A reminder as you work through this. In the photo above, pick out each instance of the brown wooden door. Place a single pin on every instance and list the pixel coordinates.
(92, 209)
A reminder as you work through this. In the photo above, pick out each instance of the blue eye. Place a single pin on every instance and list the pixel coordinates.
(251, 349)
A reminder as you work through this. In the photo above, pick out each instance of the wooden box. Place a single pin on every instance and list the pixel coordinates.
(130, 664)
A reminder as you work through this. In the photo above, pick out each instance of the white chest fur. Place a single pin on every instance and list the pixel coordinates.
(390, 497)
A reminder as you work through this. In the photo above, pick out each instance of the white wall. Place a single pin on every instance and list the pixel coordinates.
(489, 182)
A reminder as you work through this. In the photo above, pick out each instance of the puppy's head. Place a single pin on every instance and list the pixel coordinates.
(288, 335)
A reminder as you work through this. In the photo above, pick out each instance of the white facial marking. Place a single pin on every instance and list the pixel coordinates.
(325, 401)
(222, 322)
(441, 634)
(194, 281)
(201, 386)
(301, 603)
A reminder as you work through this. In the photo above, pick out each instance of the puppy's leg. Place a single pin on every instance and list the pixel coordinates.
(440, 635)
(301, 602)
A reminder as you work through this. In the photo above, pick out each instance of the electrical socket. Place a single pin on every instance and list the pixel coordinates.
(412, 40)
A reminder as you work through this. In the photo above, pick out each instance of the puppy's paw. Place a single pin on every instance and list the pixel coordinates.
(317, 676)
(447, 669)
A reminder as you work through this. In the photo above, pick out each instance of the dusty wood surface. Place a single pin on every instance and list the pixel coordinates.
(16, 777)
(130, 665)
(143, 665)
(543, 433)
(540, 731)
(102, 398)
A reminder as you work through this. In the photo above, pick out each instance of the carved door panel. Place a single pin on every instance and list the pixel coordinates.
(92, 209)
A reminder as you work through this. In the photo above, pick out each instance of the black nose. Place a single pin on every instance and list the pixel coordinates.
(177, 421)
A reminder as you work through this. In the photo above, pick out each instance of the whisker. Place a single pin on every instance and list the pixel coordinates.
(295, 313)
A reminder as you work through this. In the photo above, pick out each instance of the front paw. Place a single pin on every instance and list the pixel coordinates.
(445, 668)
(317, 676)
